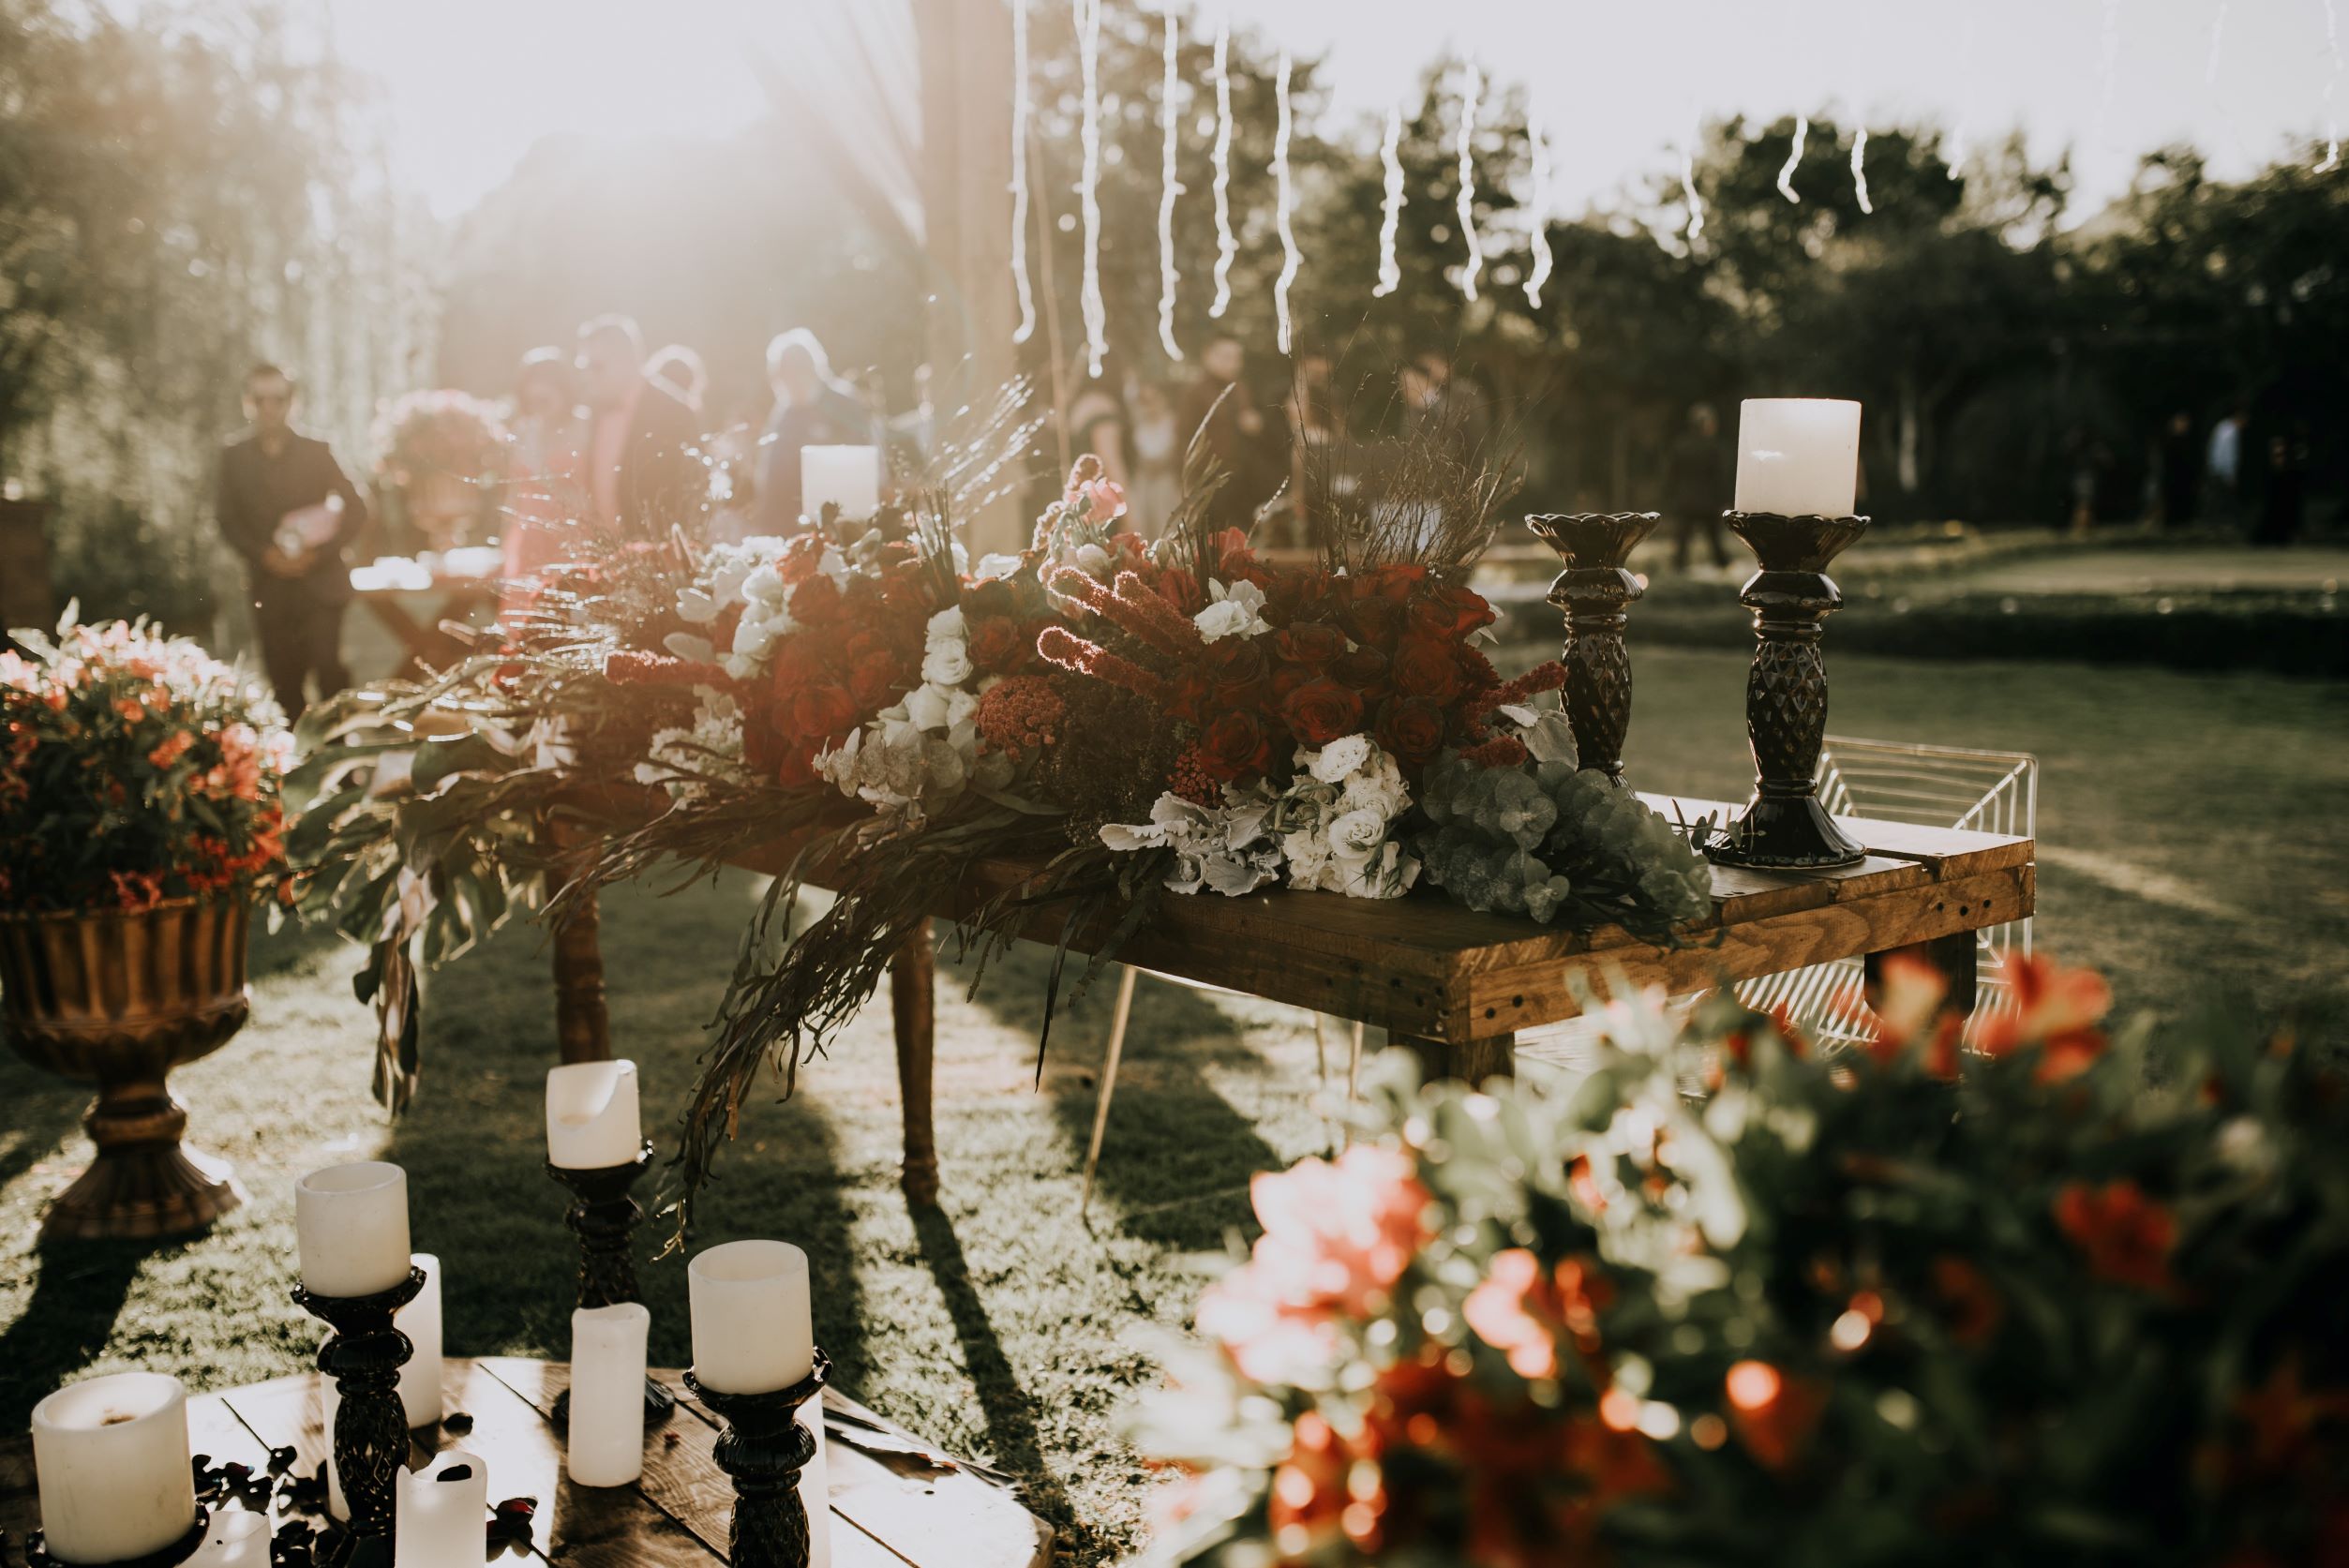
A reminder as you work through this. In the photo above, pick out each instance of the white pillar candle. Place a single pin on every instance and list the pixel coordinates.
(111, 1460)
(238, 1538)
(847, 476)
(607, 1349)
(420, 1319)
(443, 1514)
(352, 1224)
(1798, 456)
(593, 1120)
(751, 1329)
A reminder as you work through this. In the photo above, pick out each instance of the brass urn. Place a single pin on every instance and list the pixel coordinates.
(118, 998)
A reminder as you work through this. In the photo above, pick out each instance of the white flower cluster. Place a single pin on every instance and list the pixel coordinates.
(1236, 611)
(924, 749)
(744, 574)
(1332, 828)
(684, 761)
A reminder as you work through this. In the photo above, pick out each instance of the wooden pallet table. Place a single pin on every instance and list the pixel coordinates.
(890, 1509)
(1457, 986)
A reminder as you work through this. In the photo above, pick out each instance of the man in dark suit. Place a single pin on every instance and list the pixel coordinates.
(287, 507)
(645, 464)
(812, 408)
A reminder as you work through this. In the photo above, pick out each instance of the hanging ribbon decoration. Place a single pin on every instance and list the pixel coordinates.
(2332, 82)
(1860, 168)
(1019, 173)
(1466, 207)
(1168, 189)
(1284, 197)
(1226, 246)
(1794, 159)
(1088, 18)
(1390, 216)
(1688, 188)
(1537, 134)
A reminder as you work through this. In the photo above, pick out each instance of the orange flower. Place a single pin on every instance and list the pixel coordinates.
(1521, 1313)
(1316, 1496)
(1974, 1306)
(1773, 1414)
(2056, 1009)
(1908, 1014)
(173, 748)
(2126, 1234)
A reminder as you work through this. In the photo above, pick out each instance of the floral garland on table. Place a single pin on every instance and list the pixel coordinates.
(1128, 720)
(1813, 1317)
(135, 767)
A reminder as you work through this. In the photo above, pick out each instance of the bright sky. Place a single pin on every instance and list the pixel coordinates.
(473, 83)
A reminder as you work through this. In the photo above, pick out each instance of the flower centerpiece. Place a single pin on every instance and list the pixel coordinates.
(2072, 1298)
(139, 822)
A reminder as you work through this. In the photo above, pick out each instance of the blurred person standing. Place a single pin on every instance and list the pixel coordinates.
(544, 496)
(812, 408)
(1699, 485)
(644, 464)
(1216, 408)
(1437, 405)
(2283, 489)
(286, 506)
(2222, 463)
(1157, 488)
(681, 370)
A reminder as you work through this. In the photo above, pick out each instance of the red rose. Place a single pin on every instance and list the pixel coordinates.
(1313, 643)
(1236, 666)
(995, 645)
(1190, 696)
(1321, 710)
(1234, 744)
(799, 662)
(1449, 612)
(1288, 677)
(1363, 668)
(873, 681)
(1411, 730)
(822, 710)
(990, 599)
(815, 601)
(1375, 623)
(801, 558)
(1395, 584)
(1426, 668)
(1180, 589)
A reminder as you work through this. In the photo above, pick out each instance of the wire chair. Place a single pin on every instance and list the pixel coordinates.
(1940, 786)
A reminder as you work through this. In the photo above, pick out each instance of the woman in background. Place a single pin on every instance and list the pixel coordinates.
(544, 494)
(1157, 488)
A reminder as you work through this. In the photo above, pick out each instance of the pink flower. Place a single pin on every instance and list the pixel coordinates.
(1337, 1238)
(172, 750)
(1104, 499)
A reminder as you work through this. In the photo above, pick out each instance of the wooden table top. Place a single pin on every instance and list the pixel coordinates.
(891, 1507)
(1421, 966)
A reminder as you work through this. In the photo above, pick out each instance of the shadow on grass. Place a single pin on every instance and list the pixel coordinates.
(291, 945)
(1177, 1156)
(1009, 1408)
(82, 1288)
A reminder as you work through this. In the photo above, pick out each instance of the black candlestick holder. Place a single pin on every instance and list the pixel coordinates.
(604, 1216)
(1785, 827)
(1594, 590)
(764, 1448)
(37, 1555)
(370, 1436)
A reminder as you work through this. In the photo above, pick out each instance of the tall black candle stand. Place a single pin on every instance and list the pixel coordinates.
(764, 1448)
(604, 1216)
(370, 1436)
(37, 1555)
(1594, 590)
(1785, 692)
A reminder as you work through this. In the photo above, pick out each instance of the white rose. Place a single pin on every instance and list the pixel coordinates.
(946, 623)
(1226, 619)
(1090, 558)
(1342, 756)
(1356, 833)
(960, 706)
(764, 585)
(926, 706)
(998, 565)
(755, 639)
(947, 663)
(834, 565)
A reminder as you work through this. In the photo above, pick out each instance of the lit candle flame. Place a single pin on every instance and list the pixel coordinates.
(1794, 159)
(1283, 197)
(1466, 207)
(1390, 274)
(1088, 18)
(1019, 173)
(1860, 169)
(1226, 246)
(1168, 189)
(1538, 134)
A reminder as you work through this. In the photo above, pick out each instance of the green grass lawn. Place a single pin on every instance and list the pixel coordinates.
(2192, 836)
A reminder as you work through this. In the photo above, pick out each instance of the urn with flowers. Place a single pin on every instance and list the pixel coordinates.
(139, 823)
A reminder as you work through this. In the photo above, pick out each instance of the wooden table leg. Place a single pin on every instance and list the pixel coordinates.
(913, 1013)
(1952, 955)
(1471, 1061)
(582, 1025)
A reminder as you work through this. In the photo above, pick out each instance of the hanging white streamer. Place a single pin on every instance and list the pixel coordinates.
(1390, 274)
(1088, 18)
(1168, 189)
(1226, 246)
(1019, 172)
(1688, 192)
(2332, 125)
(1537, 133)
(1860, 169)
(1283, 197)
(1794, 159)
(1466, 207)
